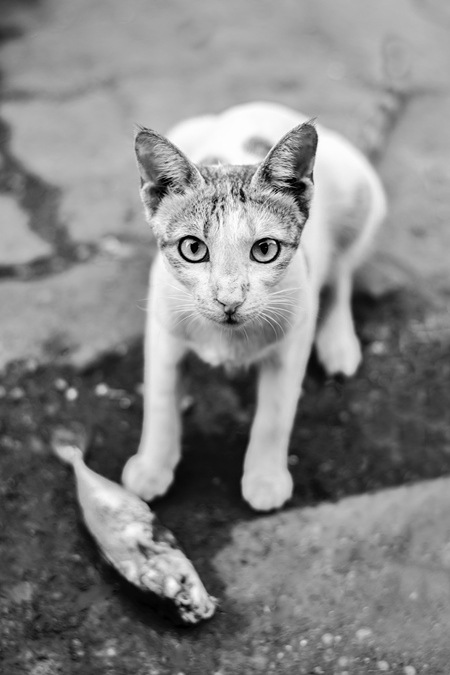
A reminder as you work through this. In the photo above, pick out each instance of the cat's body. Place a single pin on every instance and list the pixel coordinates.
(238, 278)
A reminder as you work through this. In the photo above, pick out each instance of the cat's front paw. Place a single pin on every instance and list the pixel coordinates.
(146, 480)
(266, 490)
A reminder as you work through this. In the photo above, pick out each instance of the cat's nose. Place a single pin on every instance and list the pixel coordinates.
(230, 306)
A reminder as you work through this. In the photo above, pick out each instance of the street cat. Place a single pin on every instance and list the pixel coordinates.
(250, 228)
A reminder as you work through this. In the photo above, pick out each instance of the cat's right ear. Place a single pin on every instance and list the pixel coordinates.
(288, 168)
(163, 168)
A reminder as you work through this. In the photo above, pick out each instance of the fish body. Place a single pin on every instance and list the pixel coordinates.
(131, 538)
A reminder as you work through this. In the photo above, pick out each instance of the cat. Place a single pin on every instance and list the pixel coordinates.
(249, 228)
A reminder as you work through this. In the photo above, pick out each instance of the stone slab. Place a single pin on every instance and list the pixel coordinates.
(18, 244)
(77, 315)
(361, 586)
(85, 148)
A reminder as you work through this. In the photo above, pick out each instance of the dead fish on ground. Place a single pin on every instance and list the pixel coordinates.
(131, 539)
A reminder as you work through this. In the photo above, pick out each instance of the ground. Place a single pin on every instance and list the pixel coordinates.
(353, 576)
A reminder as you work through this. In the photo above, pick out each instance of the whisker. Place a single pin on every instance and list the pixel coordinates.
(280, 310)
(266, 319)
(279, 325)
(286, 290)
(282, 318)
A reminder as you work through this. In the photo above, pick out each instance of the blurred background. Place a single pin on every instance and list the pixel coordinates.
(365, 588)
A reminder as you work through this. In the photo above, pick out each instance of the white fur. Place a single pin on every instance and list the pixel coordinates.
(342, 178)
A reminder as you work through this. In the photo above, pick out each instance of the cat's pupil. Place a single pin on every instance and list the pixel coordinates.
(264, 248)
(194, 247)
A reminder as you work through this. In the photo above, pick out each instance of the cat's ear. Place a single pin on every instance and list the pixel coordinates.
(288, 168)
(163, 168)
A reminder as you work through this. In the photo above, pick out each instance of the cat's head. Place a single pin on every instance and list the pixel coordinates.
(228, 233)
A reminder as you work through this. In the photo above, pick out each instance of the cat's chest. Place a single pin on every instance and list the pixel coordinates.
(231, 350)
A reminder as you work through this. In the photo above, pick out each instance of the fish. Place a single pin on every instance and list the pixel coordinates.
(131, 538)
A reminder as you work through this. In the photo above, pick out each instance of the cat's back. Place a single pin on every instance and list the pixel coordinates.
(245, 133)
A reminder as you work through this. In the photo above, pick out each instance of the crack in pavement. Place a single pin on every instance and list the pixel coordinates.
(40, 200)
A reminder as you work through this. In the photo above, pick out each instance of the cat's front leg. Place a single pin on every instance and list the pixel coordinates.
(150, 472)
(266, 482)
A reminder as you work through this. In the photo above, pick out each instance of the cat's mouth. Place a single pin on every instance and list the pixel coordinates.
(232, 321)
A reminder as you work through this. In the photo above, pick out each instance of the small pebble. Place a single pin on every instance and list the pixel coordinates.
(342, 661)
(363, 634)
(71, 394)
(60, 384)
(76, 649)
(409, 670)
(378, 348)
(101, 389)
(293, 460)
(124, 403)
(327, 639)
(186, 403)
(22, 592)
(303, 643)
(16, 393)
(383, 666)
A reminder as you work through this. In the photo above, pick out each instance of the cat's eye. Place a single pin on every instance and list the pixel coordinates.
(265, 250)
(193, 250)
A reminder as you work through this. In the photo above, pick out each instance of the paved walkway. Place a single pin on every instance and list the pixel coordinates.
(360, 587)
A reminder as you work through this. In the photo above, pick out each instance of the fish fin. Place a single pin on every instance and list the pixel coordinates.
(69, 444)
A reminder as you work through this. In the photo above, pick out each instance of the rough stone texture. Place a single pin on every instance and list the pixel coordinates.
(362, 581)
(18, 244)
(78, 315)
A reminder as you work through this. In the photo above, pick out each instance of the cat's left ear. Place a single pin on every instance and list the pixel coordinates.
(288, 168)
(163, 168)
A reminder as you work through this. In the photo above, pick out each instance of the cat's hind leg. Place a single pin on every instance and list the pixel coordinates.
(337, 345)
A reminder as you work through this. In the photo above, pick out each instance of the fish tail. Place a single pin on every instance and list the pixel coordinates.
(68, 444)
